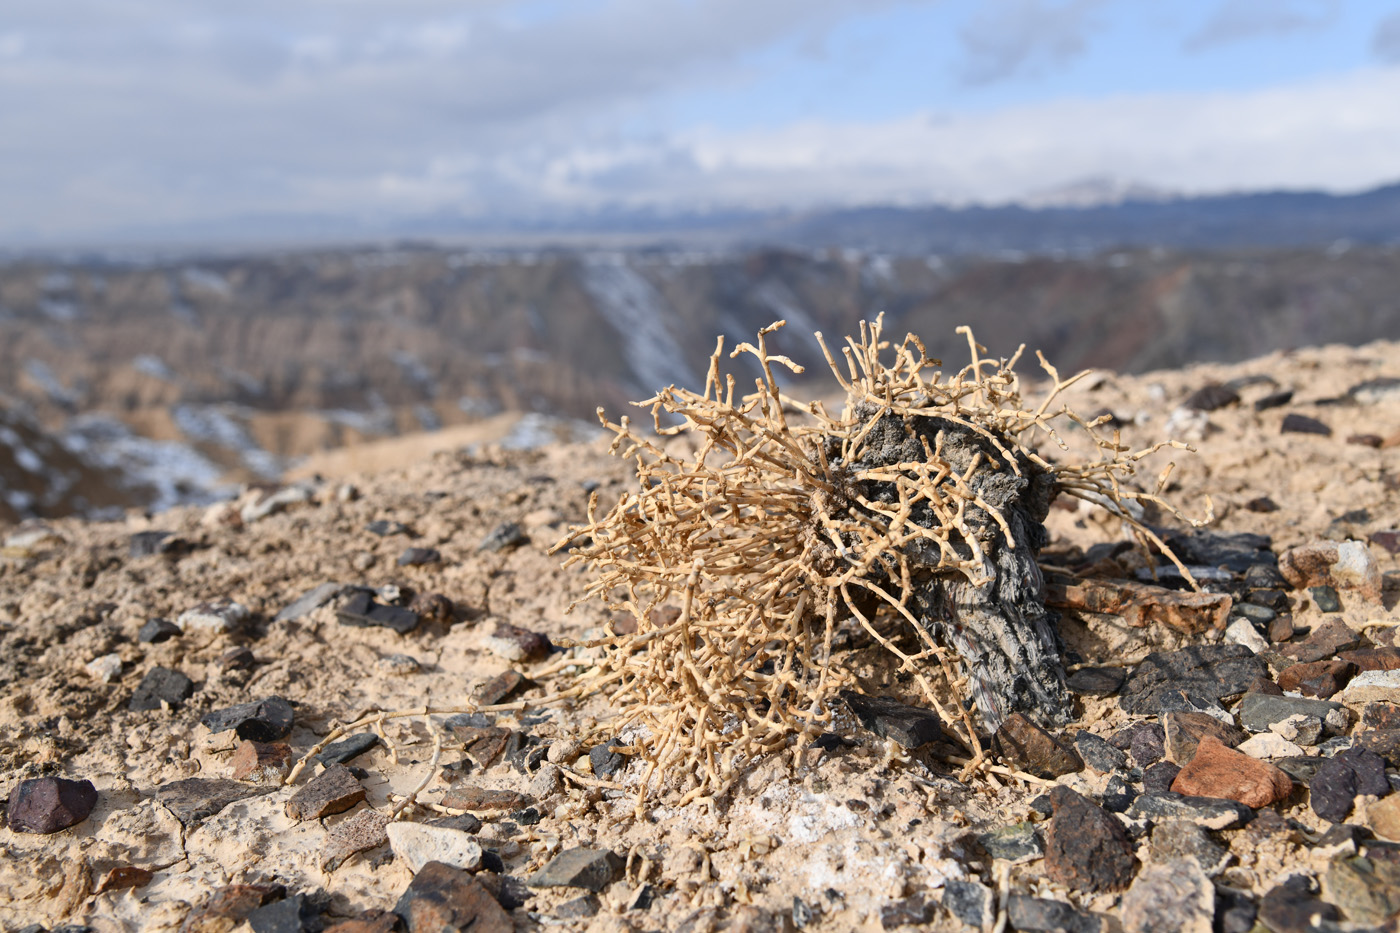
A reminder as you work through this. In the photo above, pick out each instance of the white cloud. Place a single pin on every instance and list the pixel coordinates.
(1339, 133)
(1024, 36)
(1386, 41)
(1237, 20)
(166, 111)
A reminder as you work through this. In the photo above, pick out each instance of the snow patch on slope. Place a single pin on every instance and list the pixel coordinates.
(637, 312)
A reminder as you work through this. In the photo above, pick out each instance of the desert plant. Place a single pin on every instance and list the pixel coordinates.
(921, 503)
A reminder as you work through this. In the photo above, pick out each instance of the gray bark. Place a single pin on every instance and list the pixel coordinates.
(1002, 629)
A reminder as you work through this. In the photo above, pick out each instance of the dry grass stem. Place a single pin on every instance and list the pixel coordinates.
(771, 536)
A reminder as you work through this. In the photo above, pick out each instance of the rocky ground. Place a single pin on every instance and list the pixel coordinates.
(1233, 766)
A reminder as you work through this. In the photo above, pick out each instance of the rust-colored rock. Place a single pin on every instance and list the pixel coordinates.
(1326, 641)
(1373, 659)
(1141, 604)
(1086, 848)
(1319, 679)
(48, 804)
(1220, 771)
(442, 898)
(229, 906)
(260, 762)
(359, 833)
(1033, 750)
(125, 876)
(1184, 731)
(499, 687)
(334, 790)
(472, 797)
(483, 743)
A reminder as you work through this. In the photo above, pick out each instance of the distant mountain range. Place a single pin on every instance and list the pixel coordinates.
(178, 375)
(1077, 219)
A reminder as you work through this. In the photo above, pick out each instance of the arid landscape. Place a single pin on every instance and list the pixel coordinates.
(174, 380)
(1232, 765)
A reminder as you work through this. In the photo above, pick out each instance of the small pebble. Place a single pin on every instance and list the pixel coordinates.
(106, 668)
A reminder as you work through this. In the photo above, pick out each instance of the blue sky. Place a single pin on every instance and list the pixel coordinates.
(148, 113)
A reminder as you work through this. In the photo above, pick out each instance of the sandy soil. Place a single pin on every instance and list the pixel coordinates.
(848, 833)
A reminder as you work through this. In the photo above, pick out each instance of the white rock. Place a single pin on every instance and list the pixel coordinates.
(217, 616)
(275, 503)
(106, 668)
(1369, 686)
(1241, 632)
(1300, 728)
(564, 751)
(418, 845)
(1187, 424)
(1173, 895)
(1269, 745)
(1356, 568)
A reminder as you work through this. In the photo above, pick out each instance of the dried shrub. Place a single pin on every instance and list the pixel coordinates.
(786, 523)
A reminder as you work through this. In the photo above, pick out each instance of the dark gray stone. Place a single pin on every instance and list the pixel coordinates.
(309, 601)
(908, 726)
(1274, 400)
(1291, 907)
(1118, 795)
(1294, 423)
(1086, 847)
(1208, 671)
(383, 527)
(161, 685)
(1234, 911)
(1265, 575)
(1208, 812)
(969, 901)
(605, 761)
(1042, 915)
(1211, 396)
(1259, 711)
(1096, 681)
(581, 907)
(1255, 614)
(346, 749)
(361, 611)
(913, 910)
(257, 721)
(1014, 843)
(1235, 552)
(504, 537)
(1301, 769)
(295, 914)
(418, 556)
(1148, 743)
(1098, 754)
(1158, 779)
(1173, 839)
(592, 869)
(156, 631)
(194, 799)
(47, 804)
(1325, 598)
(148, 543)
(1342, 778)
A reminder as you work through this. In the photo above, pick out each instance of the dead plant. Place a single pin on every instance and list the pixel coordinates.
(785, 521)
